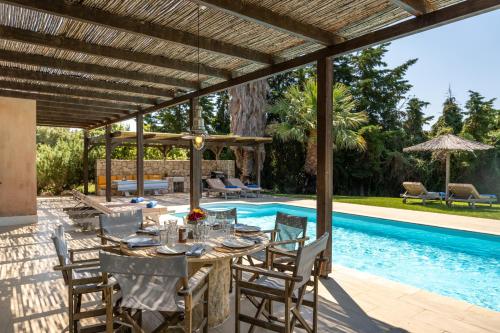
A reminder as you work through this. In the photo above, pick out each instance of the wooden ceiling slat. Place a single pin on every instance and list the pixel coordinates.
(65, 99)
(70, 44)
(77, 112)
(80, 107)
(90, 117)
(273, 20)
(39, 60)
(75, 92)
(131, 25)
(81, 82)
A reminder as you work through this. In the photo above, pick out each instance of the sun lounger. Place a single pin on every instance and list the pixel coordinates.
(89, 209)
(246, 189)
(215, 185)
(468, 193)
(417, 190)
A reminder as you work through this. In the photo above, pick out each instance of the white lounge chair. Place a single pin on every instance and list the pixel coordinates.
(468, 193)
(246, 189)
(215, 185)
(417, 190)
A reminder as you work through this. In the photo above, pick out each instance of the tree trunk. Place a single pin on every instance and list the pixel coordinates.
(311, 154)
(248, 118)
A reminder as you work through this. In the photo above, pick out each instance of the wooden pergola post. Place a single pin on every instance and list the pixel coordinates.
(140, 154)
(324, 185)
(257, 164)
(194, 162)
(108, 163)
(86, 143)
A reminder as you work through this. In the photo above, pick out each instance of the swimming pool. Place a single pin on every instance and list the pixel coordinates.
(459, 264)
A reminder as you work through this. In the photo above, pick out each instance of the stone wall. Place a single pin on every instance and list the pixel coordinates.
(165, 168)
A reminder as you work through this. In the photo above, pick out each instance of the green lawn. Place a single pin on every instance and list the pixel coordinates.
(483, 211)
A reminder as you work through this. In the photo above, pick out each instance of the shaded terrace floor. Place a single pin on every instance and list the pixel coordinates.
(33, 297)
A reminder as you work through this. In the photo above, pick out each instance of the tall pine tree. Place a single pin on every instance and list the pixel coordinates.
(415, 120)
(451, 119)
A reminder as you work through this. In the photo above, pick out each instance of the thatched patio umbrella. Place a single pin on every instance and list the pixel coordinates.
(448, 143)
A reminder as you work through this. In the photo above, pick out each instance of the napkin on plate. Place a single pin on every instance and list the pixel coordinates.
(196, 250)
(149, 231)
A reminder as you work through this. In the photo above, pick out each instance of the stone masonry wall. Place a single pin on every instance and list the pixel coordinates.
(165, 168)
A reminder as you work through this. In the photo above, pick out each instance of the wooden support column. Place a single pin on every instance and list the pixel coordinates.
(140, 154)
(324, 184)
(86, 144)
(257, 164)
(194, 162)
(108, 163)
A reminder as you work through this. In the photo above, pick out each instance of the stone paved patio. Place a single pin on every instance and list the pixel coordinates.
(33, 297)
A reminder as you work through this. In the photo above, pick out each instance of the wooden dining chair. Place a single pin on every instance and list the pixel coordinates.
(152, 284)
(282, 287)
(289, 234)
(223, 214)
(116, 226)
(81, 277)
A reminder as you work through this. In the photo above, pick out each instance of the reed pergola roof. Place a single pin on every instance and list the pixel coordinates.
(94, 62)
(161, 139)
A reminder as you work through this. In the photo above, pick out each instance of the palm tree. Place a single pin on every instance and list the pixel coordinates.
(296, 112)
(248, 118)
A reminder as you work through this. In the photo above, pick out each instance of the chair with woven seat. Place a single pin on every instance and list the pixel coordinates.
(81, 277)
(282, 287)
(155, 284)
(116, 226)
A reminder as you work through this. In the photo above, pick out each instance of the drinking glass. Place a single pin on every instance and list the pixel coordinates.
(172, 231)
(163, 232)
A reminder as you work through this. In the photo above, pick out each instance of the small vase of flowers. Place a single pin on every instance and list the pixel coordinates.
(195, 219)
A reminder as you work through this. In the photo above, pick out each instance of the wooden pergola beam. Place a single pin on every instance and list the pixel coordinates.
(44, 120)
(131, 25)
(421, 23)
(81, 82)
(70, 44)
(76, 92)
(79, 111)
(273, 20)
(80, 67)
(414, 7)
(82, 107)
(66, 99)
(67, 115)
(60, 124)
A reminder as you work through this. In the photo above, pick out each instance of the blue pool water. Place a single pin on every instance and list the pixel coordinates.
(459, 264)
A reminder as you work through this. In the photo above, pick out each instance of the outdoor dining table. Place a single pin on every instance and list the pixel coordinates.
(220, 258)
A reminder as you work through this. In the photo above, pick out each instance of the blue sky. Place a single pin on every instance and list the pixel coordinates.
(464, 55)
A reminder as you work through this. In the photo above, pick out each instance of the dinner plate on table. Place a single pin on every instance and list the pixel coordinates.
(246, 228)
(237, 243)
(138, 241)
(174, 249)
